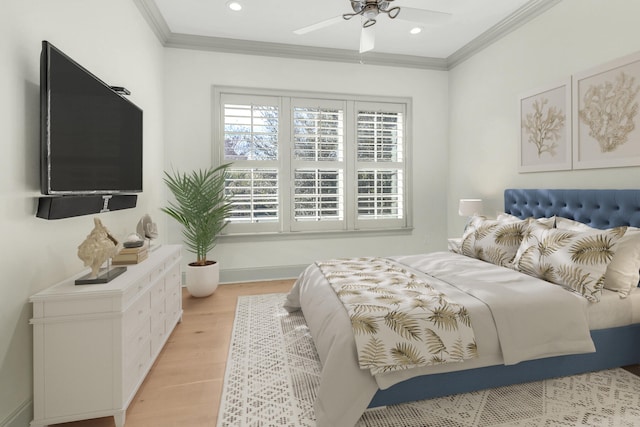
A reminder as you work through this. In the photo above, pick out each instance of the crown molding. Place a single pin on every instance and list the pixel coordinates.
(154, 18)
(518, 18)
(282, 50)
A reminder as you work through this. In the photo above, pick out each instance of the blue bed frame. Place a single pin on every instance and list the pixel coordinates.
(615, 347)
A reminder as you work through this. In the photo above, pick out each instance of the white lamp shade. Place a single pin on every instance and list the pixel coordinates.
(470, 207)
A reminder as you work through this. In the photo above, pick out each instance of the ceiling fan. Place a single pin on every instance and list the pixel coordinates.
(369, 11)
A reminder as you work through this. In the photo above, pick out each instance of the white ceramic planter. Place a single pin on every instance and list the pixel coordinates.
(202, 281)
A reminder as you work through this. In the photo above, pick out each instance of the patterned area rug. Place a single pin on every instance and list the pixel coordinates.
(273, 373)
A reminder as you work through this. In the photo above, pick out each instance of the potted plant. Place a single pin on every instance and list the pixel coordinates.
(201, 207)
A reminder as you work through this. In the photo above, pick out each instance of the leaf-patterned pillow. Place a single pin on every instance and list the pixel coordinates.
(493, 241)
(469, 238)
(577, 260)
(623, 273)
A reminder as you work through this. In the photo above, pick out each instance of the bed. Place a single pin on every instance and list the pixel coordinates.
(612, 325)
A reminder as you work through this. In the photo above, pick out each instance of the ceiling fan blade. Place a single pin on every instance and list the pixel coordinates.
(319, 25)
(367, 39)
(423, 16)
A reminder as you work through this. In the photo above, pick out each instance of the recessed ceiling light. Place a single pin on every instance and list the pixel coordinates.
(415, 30)
(234, 5)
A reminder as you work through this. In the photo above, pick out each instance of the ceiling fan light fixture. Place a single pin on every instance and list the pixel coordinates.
(357, 5)
(370, 11)
(234, 5)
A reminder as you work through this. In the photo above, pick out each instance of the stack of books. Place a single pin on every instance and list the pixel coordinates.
(128, 256)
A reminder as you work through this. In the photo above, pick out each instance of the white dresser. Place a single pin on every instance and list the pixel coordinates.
(94, 344)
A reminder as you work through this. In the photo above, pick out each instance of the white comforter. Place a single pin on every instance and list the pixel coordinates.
(515, 317)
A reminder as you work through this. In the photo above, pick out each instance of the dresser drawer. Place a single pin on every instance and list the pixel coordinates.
(136, 341)
(158, 336)
(173, 277)
(157, 293)
(158, 313)
(136, 315)
(174, 304)
(136, 367)
(135, 290)
(157, 271)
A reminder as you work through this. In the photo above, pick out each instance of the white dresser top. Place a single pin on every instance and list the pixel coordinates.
(68, 289)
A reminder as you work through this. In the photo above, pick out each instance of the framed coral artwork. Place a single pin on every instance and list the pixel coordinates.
(606, 116)
(545, 128)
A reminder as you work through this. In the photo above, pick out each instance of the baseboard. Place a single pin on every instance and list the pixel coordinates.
(21, 417)
(255, 274)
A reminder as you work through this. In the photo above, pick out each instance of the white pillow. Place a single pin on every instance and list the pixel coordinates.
(549, 222)
(570, 224)
(623, 272)
(577, 260)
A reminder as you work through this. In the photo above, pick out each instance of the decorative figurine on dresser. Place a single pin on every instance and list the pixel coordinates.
(93, 345)
(147, 228)
(99, 247)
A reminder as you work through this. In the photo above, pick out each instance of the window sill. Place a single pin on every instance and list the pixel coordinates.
(298, 235)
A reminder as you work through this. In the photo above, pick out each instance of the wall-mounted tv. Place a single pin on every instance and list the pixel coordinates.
(91, 136)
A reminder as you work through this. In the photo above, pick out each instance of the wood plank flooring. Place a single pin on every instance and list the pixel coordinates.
(184, 386)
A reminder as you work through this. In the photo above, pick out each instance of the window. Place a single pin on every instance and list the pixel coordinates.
(312, 163)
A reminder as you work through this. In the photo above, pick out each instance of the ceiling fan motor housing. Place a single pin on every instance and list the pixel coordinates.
(369, 10)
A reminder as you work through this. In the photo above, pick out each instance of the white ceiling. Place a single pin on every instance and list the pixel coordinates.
(268, 25)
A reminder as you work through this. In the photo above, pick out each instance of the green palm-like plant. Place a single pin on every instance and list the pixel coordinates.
(201, 207)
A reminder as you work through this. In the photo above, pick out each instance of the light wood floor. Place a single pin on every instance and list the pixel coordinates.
(184, 386)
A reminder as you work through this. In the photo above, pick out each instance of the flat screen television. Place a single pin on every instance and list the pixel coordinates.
(91, 136)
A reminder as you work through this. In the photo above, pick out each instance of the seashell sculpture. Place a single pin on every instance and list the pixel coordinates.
(98, 247)
(147, 228)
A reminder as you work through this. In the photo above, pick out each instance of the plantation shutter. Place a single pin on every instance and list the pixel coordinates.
(251, 141)
(312, 162)
(380, 165)
(317, 165)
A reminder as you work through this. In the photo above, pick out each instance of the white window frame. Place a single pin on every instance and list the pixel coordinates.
(286, 164)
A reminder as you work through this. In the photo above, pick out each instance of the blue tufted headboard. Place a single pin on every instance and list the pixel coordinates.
(596, 208)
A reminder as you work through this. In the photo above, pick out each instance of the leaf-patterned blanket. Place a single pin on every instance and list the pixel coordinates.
(399, 321)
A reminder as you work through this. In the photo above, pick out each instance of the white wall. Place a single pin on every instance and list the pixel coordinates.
(465, 134)
(571, 37)
(111, 39)
(189, 78)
